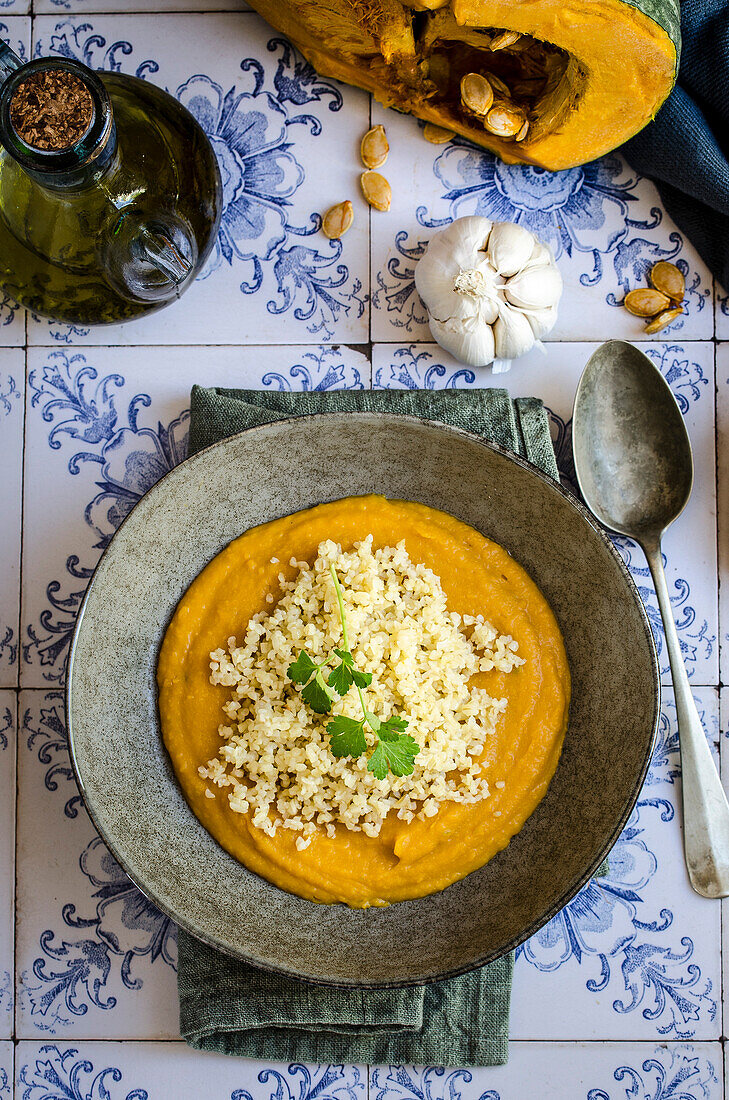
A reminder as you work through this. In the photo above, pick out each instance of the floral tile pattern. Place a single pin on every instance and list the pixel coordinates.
(101, 429)
(8, 726)
(12, 387)
(553, 374)
(274, 277)
(6, 1070)
(94, 957)
(92, 7)
(603, 222)
(636, 953)
(621, 996)
(722, 314)
(722, 435)
(579, 1071)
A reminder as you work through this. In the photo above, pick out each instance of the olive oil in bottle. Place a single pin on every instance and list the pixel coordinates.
(110, 192)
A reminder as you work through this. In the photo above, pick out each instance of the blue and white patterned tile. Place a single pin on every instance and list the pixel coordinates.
(15, 30)
(567, 1071)
(553, 375)
(12, 391)
(636, 954)
(273, 124)
(559, 1071)
(603, 222)
(129, 7)
(721, 313)
(13, 8)
(163, 1071)
(7, 1059)
(102, 427)
(8, 726)
(722, 437)
(724, 749)
(94, 958)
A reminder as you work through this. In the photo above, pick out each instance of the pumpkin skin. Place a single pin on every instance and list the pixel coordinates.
(592, 72)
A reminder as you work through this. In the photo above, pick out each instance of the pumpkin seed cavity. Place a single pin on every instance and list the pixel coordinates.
(494, 77)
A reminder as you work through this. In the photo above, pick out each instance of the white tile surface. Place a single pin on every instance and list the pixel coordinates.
(12, 404)
(722, 314)
(722, 436)
(6, 1070)
(8, 727)
(102, 427)
(603, 223)
(559, 1071)
(620, 996)
(690, 545)
(636, 954)
(273, 278)
(94, 958)
(92, 7)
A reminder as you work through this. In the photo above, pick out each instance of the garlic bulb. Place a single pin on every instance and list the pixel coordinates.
(490, 288)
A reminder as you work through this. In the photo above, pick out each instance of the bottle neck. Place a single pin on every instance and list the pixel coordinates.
(73, 167)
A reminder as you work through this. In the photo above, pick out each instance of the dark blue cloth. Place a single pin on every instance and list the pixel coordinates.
(685, 150)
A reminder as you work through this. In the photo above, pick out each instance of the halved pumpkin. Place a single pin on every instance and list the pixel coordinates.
(587, 74)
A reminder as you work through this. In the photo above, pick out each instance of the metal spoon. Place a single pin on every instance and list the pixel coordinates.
(635, 469)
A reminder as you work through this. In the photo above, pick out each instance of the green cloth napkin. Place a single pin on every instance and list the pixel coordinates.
(233, 1008)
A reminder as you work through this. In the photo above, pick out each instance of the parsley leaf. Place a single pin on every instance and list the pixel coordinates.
(340, 678)
(395, 756)
(302, 668)
(392, 728)
(394, 751)
(318, 694)
(347, 736)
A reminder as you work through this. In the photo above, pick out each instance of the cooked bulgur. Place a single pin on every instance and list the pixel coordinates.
(275, 756)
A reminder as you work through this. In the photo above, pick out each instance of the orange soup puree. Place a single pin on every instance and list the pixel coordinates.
(406, 860)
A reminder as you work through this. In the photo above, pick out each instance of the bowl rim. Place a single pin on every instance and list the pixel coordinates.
(574, 886)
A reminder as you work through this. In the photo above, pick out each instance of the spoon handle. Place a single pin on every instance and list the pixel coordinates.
(705, 808)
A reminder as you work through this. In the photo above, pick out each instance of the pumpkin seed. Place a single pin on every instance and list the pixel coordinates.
(504, 40)
(668, 280)
(376, 190)
(646, 302)
(476, 93)
(374, 148)
(437, 135)
(337, 220)
(504, 120)
(498, 86)
(663, 320)
(523, 132)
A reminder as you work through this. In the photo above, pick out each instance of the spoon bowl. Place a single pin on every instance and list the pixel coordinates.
(635, 469)
(632, 450)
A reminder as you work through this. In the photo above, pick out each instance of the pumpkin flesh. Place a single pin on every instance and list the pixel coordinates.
(588, 73)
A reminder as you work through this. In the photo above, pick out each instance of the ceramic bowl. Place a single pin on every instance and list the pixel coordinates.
(126, 777)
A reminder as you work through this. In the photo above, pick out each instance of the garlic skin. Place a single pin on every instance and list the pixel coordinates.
(490, 288)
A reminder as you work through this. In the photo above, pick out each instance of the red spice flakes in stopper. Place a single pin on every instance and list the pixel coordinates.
(51, 110)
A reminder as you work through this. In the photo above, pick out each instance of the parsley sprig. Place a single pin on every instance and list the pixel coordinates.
(394, 751)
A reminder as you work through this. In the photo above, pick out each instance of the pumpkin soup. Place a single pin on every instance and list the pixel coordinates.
(389, 709)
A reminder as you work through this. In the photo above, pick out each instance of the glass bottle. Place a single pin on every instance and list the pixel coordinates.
(117, 224)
